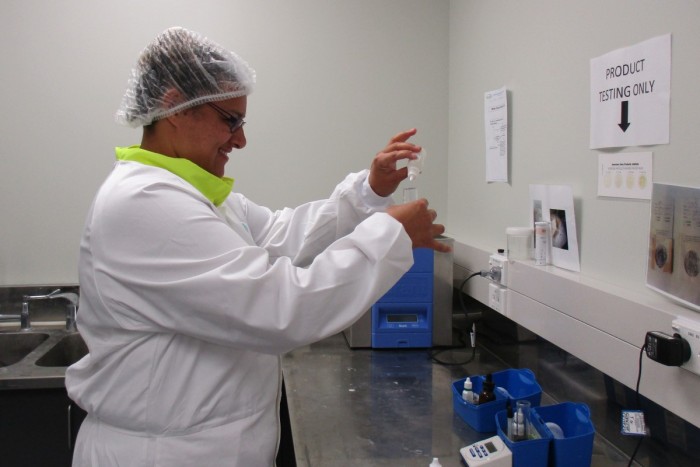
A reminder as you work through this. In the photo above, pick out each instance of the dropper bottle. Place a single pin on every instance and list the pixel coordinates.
(510, 421)
(487, 394)
(518, 429)
(467, 393)
(415, 166)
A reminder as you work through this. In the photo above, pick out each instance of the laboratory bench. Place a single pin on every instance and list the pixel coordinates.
(394, 407)
(351, 406)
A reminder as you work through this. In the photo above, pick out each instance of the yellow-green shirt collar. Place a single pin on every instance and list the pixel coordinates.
(215, 189)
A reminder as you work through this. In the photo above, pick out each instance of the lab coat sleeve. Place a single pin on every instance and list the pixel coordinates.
(305, 231)
(163, 262)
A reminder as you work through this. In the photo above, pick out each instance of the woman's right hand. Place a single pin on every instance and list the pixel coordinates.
(418, 221)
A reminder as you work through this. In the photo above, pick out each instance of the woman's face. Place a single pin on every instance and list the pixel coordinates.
(204, 135)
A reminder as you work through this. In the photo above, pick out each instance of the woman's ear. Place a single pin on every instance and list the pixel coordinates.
(171, 98)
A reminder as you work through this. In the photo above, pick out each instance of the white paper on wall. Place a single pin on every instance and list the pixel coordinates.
(625, 175)
(496, 127)
(555, 204)
(631, 95)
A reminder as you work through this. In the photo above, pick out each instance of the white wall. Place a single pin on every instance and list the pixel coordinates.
(336, 79)
(541, 50)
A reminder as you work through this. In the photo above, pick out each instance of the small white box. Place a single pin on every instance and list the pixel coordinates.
(690, 331)
(497, 297)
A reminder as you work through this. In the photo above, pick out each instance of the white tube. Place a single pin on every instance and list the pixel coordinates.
(415, 166)
(541, 243)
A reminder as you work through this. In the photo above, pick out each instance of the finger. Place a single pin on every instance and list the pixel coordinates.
(438, 229)
(396, 177)
(403, 136)
(405, 146)
(422, 203)
(390, 156)
(400, 175)
(441, 247)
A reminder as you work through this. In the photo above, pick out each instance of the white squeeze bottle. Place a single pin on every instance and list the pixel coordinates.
(415, 166)
(467, 393)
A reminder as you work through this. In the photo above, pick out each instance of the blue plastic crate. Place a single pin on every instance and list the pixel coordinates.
(481, 416)
(518, 384)
(513, 384)
(526, 453)
(575, 449)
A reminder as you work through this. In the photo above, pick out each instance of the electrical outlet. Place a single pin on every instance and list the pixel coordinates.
(690, 331)
(497, 297)
(500, 261)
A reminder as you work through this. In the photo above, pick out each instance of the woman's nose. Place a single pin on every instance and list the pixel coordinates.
(238, 138)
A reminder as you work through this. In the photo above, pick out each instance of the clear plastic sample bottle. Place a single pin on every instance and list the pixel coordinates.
(415, 166)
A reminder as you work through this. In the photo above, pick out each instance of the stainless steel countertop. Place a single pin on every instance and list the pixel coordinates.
(374, 407)
(351, 407)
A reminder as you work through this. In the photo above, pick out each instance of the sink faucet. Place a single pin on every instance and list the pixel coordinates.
(19, 318)
(23, 317)
(71, 310)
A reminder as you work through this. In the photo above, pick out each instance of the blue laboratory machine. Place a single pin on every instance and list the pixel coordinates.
(416, 312)
(403, 317)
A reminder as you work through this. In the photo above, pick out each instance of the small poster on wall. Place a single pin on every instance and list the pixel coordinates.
(555, 204)
(625, 175)
(673, 268)
(496, 127)
(631, 95)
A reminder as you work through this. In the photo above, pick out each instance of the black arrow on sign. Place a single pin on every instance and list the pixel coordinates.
(624, 123)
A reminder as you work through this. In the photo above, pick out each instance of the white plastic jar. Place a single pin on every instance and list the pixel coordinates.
(519, 243)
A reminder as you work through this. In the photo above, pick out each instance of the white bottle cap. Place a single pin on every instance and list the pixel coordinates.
(468, 384)
(435, 463)
(415, 166)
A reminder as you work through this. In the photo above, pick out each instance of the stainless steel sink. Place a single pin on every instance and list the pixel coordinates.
(65, 352)
(14, 346)
(37, 359)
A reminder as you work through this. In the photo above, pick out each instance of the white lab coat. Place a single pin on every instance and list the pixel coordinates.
(186, 309)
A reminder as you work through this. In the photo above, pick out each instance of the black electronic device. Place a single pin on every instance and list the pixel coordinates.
(667, 350)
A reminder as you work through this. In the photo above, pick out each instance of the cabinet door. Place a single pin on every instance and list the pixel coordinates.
(34, 427)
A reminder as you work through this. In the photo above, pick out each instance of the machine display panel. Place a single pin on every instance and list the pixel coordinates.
(401, 318)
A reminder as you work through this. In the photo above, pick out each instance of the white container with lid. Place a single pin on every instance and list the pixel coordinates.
(519, 242)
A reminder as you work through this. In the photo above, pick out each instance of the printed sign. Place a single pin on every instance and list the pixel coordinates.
(496, 125)
(631, 95)
(625, 175)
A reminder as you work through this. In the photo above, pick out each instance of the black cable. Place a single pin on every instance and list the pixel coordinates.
(433, 357)
(639, 405)
(461, 294)
(639, 374)
(434, 354)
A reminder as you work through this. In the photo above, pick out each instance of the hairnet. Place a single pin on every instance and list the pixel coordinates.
(181, 69)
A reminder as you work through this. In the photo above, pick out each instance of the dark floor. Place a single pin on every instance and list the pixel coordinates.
(563, 377)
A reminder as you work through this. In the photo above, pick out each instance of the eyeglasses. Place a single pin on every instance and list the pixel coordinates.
(234, 121)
